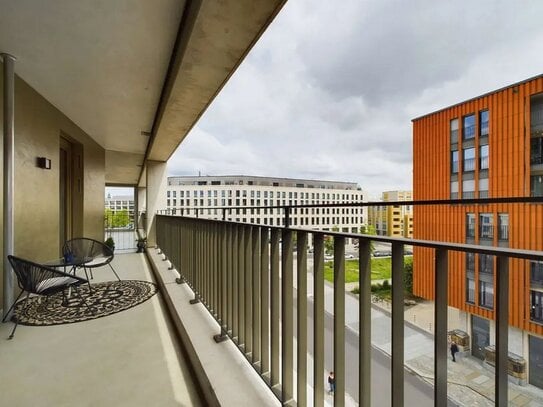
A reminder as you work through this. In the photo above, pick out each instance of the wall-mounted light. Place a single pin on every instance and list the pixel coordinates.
(44, 163)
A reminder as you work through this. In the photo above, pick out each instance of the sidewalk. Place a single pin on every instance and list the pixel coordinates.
(470, 383)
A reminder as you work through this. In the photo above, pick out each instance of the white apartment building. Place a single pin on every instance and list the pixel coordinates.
(209, 194)
(119, 203)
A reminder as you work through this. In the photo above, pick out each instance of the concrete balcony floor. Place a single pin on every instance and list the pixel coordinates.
(126, 359)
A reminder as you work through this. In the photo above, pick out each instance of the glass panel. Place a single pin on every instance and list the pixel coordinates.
(536, 185)
(503, 225)
(486, 263)
(483, 157)
(470, 227)
(483, 123)
(470, 290)
(469, 127)
(536, 306)
(470, 262)
(536, 273)
(469, 159)
(454, 131)
(536, 151)
(486, 294)
(485, 226)
(454, 162)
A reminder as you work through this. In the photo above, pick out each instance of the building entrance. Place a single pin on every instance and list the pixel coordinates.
(480, 334)
(536, 361)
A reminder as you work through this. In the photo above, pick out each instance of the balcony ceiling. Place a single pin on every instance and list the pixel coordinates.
(104, 64)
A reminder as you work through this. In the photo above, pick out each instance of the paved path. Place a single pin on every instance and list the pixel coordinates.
(470, 382)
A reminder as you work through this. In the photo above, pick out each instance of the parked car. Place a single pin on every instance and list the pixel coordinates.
(349, 256)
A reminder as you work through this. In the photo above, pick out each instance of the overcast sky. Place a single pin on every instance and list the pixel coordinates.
(330, 89)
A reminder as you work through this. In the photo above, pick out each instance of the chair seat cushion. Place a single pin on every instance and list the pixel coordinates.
(54, 284)
(97, 261)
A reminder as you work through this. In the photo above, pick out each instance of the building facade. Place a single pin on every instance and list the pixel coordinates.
(395, 220)
(208, 195)
(489, 146)
(120, 203)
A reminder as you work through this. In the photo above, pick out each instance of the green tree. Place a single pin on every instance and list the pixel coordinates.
(120, 219)
(116, 219)
(368, 230)
(408, 275)
(329, 242)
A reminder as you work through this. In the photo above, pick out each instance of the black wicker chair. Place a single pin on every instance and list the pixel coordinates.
(34, 278)
(97, 252)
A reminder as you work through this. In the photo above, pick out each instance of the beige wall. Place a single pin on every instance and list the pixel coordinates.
(38, 126)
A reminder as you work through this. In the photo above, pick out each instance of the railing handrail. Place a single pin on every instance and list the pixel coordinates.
(460, 247)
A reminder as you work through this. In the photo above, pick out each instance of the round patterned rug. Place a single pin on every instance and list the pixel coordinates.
(104, 299)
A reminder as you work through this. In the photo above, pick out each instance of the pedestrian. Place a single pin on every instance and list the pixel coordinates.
(331, 383)
(454, 350)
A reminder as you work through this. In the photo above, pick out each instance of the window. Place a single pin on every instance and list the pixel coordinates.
(503, 226)
(485, 226)
(454, 190)
(469, 159)
(536, 306)
(167, 194)
(470, 290)
(483, 123)
(470, 226)
(483, 187)
(470, 263)
(469, 127)
(536, 185)
(483, 157)
(486, 264)
(536, 273)
(486, 294)
(454, 162)
(454, 131)
(536, 151)
(468, 189)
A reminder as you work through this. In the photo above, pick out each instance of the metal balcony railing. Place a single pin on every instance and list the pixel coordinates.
(244, 274)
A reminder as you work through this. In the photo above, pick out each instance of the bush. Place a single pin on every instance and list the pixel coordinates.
(110, 243)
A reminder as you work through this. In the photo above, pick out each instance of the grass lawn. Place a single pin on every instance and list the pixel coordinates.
(380, 269)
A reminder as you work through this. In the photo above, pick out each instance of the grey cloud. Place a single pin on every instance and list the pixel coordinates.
(330, 89)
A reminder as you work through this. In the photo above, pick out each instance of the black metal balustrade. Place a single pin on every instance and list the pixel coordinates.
(244, 274)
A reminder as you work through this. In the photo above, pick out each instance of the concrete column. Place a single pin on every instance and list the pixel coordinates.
(141, 205)
(9, 157)
(155, 196)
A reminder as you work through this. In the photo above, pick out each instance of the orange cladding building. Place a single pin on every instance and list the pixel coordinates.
(489, 146)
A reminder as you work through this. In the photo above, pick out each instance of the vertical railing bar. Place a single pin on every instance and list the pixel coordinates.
(265, 299)
(397, 325)
(275, 304)
(248, 291)
(229, 294)
(256, 295)
(217, 270)
(287, 322)
(221, 281)
(241, 289)
(318, 320)
(196, 281)
(339, 320)
(502, 331)
(301, 320)
(235, 276)
(440, 323)
(364, 331)
(204, 257)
